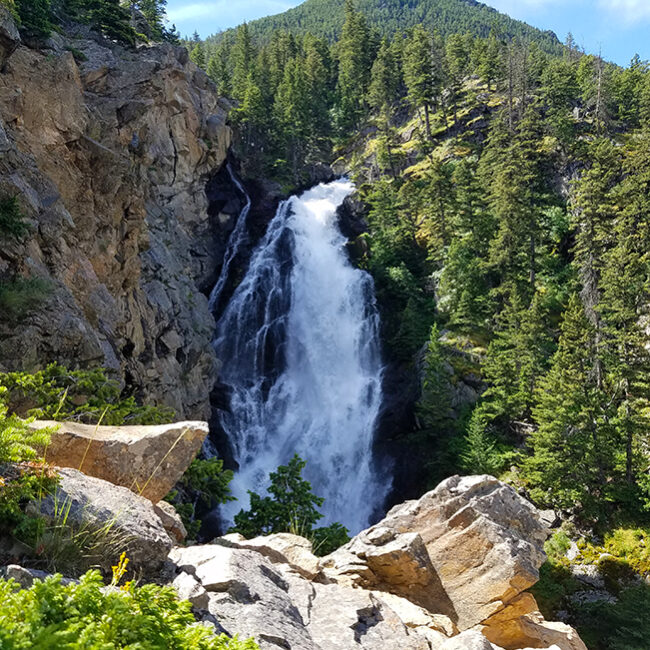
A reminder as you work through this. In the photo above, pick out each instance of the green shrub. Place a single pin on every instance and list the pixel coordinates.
(78, 55)
(204, 485)
(557, 546)
(291, 508)
(35, 16)
(12, 221)
(20, 296)
(21, 478)
(291, 504)
(50, 615)
(88, 396)
(327, 539)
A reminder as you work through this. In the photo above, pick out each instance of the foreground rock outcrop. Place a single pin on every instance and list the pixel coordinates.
(108, 151)
(446, 572)
(108, 520)
(148, 460)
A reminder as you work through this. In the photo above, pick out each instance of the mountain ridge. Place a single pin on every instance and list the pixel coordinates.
(325, 18)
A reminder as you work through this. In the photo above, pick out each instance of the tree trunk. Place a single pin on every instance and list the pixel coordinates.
(427, 120)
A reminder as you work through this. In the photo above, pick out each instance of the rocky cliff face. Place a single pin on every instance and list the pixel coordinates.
(109, 152)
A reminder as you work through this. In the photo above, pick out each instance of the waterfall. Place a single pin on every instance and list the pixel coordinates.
(237, 238)
(300, 351)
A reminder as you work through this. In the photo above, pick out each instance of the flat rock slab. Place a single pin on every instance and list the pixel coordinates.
(148, 460)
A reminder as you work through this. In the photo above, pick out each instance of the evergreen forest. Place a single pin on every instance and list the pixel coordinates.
(506, 182)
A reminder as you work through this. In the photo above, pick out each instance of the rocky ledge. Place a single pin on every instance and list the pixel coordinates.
(446, 572)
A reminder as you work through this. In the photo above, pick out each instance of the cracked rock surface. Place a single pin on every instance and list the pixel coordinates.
(446, 572)
(108, 155)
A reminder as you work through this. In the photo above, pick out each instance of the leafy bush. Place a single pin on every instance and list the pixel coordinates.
(291, 508)
(204, 485)
(57, 393)
(12, 222)
(327, 539)
(35, 16)
(20, 296)
(85, 615)
(21, 478)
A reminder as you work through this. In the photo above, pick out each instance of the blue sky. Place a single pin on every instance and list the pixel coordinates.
(618, 28)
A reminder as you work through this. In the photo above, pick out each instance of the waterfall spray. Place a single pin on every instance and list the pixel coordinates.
(300, 350)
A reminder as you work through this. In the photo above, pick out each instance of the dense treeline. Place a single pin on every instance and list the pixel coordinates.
(507, 193)
(119, 20)
(297, 94)
(325, 18)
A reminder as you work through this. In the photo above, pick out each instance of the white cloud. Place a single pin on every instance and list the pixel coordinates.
(629, 11)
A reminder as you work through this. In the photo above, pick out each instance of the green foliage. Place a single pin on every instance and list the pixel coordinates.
(326, 19)
(327, 539)
(482, 451)
(21, 478)
(291, 503)
(198, 55)
(17, 441)
(435, 404)
(35, 16)
(50, 615)
(88, 396)
(204, 485)
(290, 507)
(12, 221)
(20, 296)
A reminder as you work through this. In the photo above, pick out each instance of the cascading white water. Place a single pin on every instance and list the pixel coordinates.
(300, 351)
(235, 242)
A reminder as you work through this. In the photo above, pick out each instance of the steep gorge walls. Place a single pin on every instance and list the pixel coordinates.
(108, 152)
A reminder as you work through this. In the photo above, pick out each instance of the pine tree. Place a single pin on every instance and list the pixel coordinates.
(516, 360)
(422, 74)
(111, 18)
(355, 62)
(511, 173)
(491, 61)
(457, 60)
(627, 85)
(382, 95)
(464, 285)
(574, 449)
(242, 62)
(35, 16)
(219, 72)
(154, 12)
(594, 79)
(317, 69)
(292, 113)
(384, 81)
(480, 452)
(624, 306)
(593, 206)
(197, 55)
(559, 89)
(434, 407)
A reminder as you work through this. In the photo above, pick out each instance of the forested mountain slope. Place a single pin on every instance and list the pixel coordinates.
(324, 18)
(505, 191)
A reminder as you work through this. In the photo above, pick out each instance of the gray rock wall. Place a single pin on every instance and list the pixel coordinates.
(109, 152)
